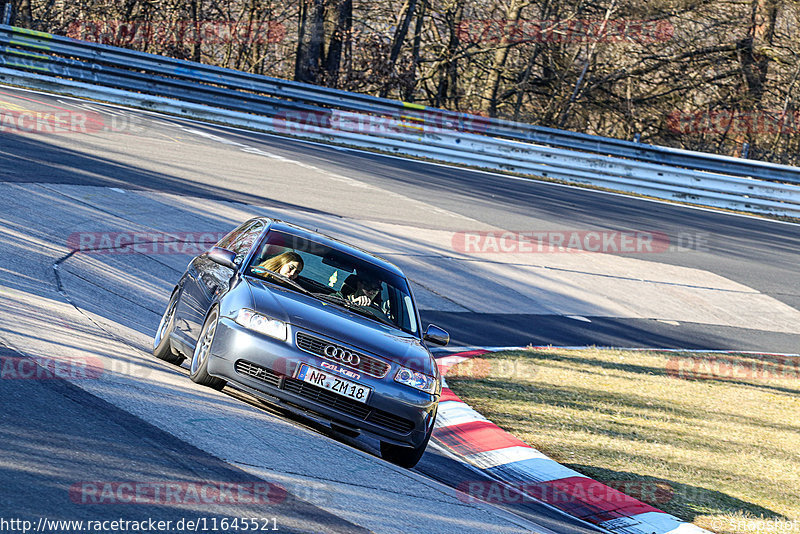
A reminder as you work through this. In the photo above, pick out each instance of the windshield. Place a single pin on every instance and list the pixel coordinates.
(337, 277)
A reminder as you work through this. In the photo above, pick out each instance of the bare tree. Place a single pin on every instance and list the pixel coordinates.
(448, 62)
(24, 11)
(406, 14)
(310, 41)
(340, 39)
(509, 36)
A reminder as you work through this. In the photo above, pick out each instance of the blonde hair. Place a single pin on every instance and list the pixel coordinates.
(276, 262)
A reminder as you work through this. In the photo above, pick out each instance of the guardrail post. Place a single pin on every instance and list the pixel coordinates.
(745, 149)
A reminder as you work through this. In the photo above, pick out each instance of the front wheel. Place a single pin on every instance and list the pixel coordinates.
(161, 345)
(198, 371)
(406, 457)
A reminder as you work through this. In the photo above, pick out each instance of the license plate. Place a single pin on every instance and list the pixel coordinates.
(331, 382)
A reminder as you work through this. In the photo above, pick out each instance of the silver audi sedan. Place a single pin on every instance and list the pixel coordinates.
(308, 322)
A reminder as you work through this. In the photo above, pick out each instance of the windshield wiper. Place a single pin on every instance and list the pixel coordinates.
(280, 278)
(338, 300)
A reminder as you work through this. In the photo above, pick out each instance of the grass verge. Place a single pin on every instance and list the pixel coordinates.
(719, 434)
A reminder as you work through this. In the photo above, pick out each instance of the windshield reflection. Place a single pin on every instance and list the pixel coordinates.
(337, 277)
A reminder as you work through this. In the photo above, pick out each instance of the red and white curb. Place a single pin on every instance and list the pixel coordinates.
(485, 446)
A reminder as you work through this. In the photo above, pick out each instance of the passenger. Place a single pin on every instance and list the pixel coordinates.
(288, 264)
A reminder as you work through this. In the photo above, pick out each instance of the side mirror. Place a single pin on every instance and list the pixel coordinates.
(222, 256)
(436, 335)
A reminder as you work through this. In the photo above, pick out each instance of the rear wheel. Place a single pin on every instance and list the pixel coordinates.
(161, 345)
(406, 457)
(198, 371)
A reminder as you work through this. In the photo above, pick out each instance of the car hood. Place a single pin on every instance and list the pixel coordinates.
(330, 320)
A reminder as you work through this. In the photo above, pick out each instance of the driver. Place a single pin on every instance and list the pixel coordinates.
(361, 290)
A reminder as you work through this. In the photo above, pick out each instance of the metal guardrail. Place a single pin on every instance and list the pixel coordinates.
(42, 60)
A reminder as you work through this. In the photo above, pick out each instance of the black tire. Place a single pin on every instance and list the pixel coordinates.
(406, 457)
(162, 349)
(198, 371)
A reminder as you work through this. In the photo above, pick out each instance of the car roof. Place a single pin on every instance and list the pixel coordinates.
(278, 224)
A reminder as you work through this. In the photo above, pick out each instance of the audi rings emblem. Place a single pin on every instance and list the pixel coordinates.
(341, 355)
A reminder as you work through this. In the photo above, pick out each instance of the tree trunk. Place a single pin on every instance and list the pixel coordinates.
(130, 5)
(408, 90)
(310, 41)
(340, 37)
(512, 19)
(754, 58)
(406, 14)
(447, 92)
(24, 16)
(195, 32)
(754, 50)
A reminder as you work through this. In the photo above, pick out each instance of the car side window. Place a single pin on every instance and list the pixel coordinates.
(242, 239)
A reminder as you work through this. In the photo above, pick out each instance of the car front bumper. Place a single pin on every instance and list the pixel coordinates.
(393, 412)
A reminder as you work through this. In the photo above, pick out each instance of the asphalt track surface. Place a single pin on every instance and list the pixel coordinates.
(757, 253)
(141, 422)
(56, 435)
(59, 433)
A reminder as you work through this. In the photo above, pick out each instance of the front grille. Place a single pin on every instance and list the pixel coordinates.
(348, 406)
(392, 422)
(324, 397)
(256, 371)
(367, 364)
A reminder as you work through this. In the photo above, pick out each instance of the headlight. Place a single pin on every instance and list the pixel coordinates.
(262, 324)
(416, 380)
